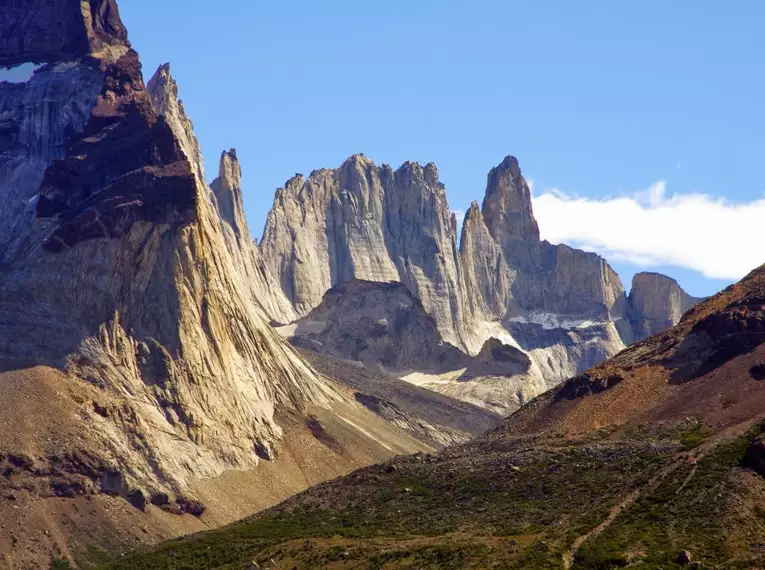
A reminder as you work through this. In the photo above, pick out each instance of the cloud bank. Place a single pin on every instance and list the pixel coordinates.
(718, 238)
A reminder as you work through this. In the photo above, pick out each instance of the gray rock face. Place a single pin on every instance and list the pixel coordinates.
(367, 222)
(657, 303)
(565, 308)
(385, 327)
(116, 267)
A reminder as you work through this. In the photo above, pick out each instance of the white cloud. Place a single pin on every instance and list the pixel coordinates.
(720, 239)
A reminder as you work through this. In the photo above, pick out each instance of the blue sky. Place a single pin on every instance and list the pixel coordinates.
(597, 99)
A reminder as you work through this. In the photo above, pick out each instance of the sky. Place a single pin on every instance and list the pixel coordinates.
(641, 125)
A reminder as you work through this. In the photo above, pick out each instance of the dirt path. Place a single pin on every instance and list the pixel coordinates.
(682, 458)
(625, 503)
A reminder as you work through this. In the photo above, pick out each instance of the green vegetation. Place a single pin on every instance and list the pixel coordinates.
(491, 505)
(689, 510)
(511, 505)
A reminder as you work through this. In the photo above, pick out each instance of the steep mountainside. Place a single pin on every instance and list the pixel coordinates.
(707, 366)
(136, 359)
(366, 222)
(566, 308)
(653, 459)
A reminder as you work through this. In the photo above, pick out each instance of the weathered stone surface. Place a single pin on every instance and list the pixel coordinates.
(164, 97)
(657, 303)
(565, 308)
(228, 192)
(380, 324)
(127, 166)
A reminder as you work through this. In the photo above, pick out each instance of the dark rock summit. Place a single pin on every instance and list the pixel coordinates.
(57, 30)
(125, 167)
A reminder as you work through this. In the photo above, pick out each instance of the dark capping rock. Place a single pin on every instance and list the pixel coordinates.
(586, 385)
(57, 30)
(126, 167)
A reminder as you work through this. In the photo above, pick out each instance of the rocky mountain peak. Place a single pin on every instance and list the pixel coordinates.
(411, 171)
(507, 204)
(164, 96)
(472, 215)
(228, 193)
(295, 183)
(58, 30)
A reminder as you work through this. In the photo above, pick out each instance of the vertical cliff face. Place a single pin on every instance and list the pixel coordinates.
(117, 267)
(657, 302)
(565, 307)
(362, 221)
(560, 304)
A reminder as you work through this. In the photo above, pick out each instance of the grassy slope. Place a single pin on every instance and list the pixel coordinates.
(516, 503)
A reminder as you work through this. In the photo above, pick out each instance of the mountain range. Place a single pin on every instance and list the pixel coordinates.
(383, 391)
(566, 309)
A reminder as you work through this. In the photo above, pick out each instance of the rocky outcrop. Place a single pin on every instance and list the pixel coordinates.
(384, 328)
(657, 303)
(228, 193)
(381, 325)
(564, 307)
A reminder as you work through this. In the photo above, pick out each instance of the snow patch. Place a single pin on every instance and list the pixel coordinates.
(551, 321)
